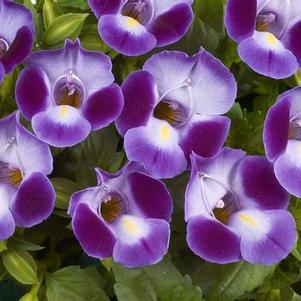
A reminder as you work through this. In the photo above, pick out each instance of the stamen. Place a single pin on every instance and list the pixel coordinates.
(295, 130)
(111, 207)
(10, 174)
(3, 47)
(264, 22)
(69, 90)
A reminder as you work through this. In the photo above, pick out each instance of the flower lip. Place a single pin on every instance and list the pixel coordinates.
(223, 208)
(69, 90)
(3, 47)
(141, 11)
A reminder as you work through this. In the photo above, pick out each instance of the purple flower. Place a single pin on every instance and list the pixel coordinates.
(67, 92)
(282, 139)
(16, 35)
(236, 209)
(268, 33)
(27, 196)
(134, 27)
(171, 109)
(125, 216)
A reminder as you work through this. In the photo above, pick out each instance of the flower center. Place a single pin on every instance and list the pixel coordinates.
(111, 207)
(138, 10)
(3, 47)
(223, 208)
(69, 90)
(265, 21)
(10, 174)
(295, 129)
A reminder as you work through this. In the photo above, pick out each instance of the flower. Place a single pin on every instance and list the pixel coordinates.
(125, 216)
(236, 209)
(67, 92)
(16, 35)
(282, 139)
(134, 27)
(268, 33)
(27, 196)
(170, 110)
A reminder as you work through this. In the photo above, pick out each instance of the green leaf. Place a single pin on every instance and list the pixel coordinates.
(81, 4)
(20, 264)
(158, 282)
(62, 27)
(63, 189)
(50, 12)
(231, 281)
(76, 284)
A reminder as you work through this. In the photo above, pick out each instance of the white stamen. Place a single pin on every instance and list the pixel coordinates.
(220, 204)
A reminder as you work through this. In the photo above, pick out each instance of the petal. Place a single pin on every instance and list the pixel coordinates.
(214, 82)
(212, 240)
(205, 136)
(140, 95)
(2, 72)
(34, 154)
(34, 200)
(240, 18)
(288, 168)
(276, 128)
(292, 40)
(91, 67)
(125, 35)
(203, 193)
(150, 195)
(7, 129)
(14, 16)
(257, 186)
(172, 25)
(266, 236)
(33, 91)
(266, 55)
(61, 126)
(103, 106)
(19, 49)
(104, 7)
(156, 147)
(171, 70)
(94, 236)
(7, 223)
(141, 242)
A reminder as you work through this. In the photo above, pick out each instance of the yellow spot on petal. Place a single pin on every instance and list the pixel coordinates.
(272, 40)
(131, 22)
(131, 226)
(63, 111)
(248, 220)
(165, 132)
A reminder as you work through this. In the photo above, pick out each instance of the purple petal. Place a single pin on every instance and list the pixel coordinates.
(150, 195)
(91, 67)
(288, 168)
(211, 79)
(34, 200)
(2, 72)
(61, 126)
(240, 18)
(103, 106)
(104, 7)
(19, 49)
(140, 95)
(33, 91)
(276, 128)
(266, 236)
(156, 147)
(292, 40)
(148, 250)
(212, 240)
(257, 185)
(205, 136)
(266, 55)
(125, 35)
(94, 236)
(7, 223)
(172, 25)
